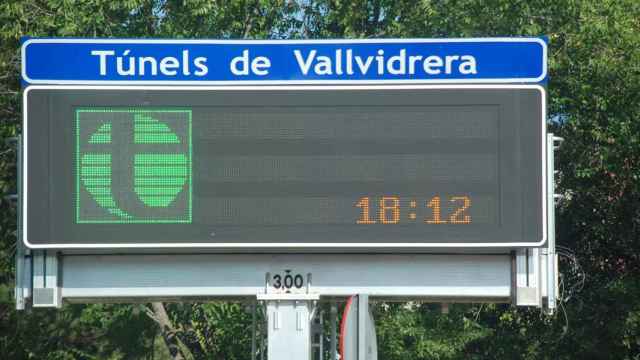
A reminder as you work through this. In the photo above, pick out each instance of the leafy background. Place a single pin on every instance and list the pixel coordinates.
(594, 103)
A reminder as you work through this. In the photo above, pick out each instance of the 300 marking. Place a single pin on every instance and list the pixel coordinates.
(287, 281)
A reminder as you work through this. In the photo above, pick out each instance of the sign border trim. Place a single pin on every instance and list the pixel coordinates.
(263, 246)
(23, 71)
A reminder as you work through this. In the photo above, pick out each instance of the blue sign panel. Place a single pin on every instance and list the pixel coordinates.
(207, 62)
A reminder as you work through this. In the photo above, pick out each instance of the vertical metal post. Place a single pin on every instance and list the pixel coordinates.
(23, 268)
(363, 317)
(253, 331)
(552, 271)
(20, 276)
(321, 333)
(317, 332)
(264, 328)
(334, 332)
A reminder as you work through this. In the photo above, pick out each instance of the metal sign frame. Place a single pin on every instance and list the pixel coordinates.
(286, 246)
(522, 273)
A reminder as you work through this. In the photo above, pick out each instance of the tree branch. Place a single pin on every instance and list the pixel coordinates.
(177, 349)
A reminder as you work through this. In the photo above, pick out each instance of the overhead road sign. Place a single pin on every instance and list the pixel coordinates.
(324, 168)
(223, 62)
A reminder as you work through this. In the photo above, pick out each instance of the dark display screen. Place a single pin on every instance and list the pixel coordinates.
(311, 168)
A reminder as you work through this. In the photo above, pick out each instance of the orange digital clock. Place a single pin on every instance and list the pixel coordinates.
(389, 210)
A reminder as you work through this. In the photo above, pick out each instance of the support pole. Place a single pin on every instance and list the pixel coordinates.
(289, 330)
(363, 317)
(253, 331)
(289, 325)
(264, 325)
(552, 266)
(334, 332)
(23, 257)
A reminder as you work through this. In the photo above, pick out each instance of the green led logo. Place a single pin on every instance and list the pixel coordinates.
(133, 165)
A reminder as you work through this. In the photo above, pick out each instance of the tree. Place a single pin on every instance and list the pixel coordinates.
(100, 331)
(594, 103)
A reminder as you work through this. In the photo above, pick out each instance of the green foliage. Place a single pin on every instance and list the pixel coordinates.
(77, 331)
(408, 331)
(214, 330)
(113, 331)
(594, 103)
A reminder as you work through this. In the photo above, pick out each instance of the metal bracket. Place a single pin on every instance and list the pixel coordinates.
(24, 272)
(528, 275)
(557, 141)
(46, 289)
(288, 297)
(289, 325)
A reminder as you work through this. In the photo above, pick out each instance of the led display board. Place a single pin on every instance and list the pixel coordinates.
(370, 168)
